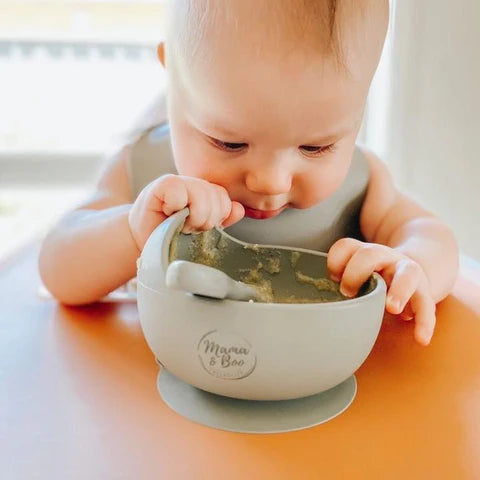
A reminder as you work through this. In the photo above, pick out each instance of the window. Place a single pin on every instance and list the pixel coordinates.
(73, 75)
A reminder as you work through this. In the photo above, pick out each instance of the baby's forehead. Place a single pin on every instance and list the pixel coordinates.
(324, 27)
(299, 106)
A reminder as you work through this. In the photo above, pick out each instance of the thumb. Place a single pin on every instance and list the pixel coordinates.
(236, 213)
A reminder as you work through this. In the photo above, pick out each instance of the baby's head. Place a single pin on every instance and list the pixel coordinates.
(266, 97)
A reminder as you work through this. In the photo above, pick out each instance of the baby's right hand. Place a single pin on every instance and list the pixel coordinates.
(209, 206)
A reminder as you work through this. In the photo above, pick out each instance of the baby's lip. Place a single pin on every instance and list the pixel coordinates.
(262, 214)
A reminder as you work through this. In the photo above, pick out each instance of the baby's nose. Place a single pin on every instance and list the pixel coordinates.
(271, 179)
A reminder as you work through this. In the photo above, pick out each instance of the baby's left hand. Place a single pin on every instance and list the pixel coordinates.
(351, 262)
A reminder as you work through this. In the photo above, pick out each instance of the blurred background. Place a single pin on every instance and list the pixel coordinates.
(75, 74)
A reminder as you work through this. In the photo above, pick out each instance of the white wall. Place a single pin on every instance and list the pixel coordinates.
(425, 111)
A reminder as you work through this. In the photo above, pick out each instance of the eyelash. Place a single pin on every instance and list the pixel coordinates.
(229, 146)
(238, 147)
(319, 150)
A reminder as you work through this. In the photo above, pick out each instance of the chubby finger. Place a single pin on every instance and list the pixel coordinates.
(404, 283)
(339, 255)
(366, 260)
(225, 205)
(200, 208)
(168, 194)
(237, 212)
(214, 210)
(407, 313)
(424, 309)
(388, 273)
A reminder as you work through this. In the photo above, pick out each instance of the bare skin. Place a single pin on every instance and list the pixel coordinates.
(243, 144)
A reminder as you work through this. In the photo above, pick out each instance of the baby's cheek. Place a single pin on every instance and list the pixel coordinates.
(209, 169)
(191, 159)
(192, 167)
(317, 185)
(190, 151)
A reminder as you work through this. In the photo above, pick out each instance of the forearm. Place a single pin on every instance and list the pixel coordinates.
(432, 245)
(88, 254)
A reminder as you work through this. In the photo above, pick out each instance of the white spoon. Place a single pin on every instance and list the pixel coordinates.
(207, 281)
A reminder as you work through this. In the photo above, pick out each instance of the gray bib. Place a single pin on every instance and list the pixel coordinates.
(317, 228)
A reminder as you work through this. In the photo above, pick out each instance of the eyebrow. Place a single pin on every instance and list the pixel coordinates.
(318, 140)
(210, 125)
(215, 127)
(330, 138)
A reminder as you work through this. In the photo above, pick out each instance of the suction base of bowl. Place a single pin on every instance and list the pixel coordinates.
(251, 416)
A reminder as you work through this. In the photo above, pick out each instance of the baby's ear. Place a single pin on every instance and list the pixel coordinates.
(161, 53)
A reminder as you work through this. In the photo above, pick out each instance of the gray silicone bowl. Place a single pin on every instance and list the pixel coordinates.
(250, 350)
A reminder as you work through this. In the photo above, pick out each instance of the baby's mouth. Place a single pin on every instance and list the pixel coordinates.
(262, 214)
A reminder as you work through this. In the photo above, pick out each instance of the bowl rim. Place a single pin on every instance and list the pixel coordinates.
(351, 302)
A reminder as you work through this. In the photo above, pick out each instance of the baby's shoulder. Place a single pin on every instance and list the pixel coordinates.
(381, 194)
(377, 168)
(113, 186)
(151, 156)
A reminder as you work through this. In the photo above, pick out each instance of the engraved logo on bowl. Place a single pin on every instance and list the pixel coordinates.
(226, 355)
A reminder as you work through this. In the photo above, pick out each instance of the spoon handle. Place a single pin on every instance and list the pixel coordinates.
(207, 281)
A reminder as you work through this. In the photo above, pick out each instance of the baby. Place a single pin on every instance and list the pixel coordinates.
(265, 99)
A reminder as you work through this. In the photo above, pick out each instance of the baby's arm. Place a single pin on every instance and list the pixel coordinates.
(91, 251)
(391, 218)
(414, 251)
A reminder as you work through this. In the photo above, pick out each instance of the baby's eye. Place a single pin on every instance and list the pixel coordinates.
(315, 151)
(228, 146)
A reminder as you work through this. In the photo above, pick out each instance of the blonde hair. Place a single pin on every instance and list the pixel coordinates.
(317, 24)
